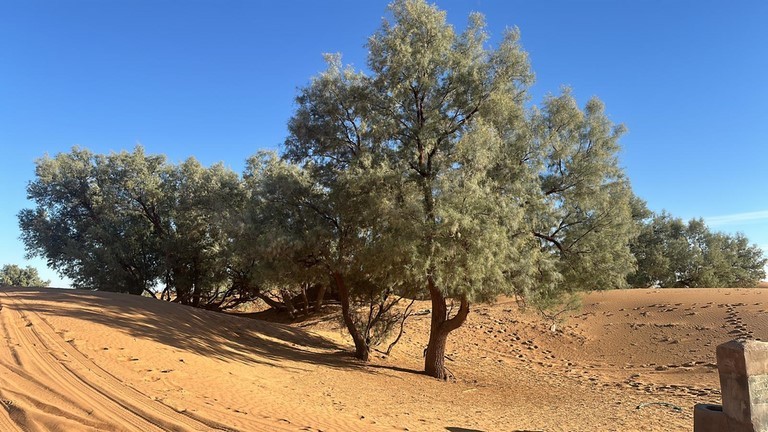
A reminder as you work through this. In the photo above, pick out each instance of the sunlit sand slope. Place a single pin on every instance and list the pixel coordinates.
(84, 361)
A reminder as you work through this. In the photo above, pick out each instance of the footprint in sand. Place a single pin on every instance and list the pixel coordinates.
(734, 320)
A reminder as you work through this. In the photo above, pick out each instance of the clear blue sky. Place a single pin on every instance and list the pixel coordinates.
(216, 79)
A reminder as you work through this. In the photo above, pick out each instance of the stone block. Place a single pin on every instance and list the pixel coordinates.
(709, 418)
(743, 367)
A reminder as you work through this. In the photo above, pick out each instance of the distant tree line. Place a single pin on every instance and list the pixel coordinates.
(13, 275)
(426, 177)
(673, 253)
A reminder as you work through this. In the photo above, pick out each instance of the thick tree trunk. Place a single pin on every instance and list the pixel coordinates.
(184, 293)
(434, 359)
(181, 284)
(441, 326)
(362, 350)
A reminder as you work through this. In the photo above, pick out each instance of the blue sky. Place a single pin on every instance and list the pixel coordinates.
(216, 79)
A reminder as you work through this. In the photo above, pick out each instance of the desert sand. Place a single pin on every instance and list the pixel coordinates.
(92, 361)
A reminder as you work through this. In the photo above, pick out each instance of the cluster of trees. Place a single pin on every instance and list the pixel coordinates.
(129, 221)
(673, 253)
(426, 177)
(13, 275)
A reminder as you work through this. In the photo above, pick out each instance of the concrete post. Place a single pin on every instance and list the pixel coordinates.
(743, 368)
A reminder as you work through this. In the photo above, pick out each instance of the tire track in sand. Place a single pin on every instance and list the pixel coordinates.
(90, 396)
(47, 383)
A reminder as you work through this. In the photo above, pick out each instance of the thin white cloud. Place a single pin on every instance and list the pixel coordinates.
(736, 218)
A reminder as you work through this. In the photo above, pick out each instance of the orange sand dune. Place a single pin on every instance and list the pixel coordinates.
(85, 361)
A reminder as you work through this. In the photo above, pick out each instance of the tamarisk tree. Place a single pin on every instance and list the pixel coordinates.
(351, 193)
(450, 183)
(131, 222)
(84, 222)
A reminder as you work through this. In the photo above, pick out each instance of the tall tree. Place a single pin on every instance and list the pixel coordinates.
(480, 197)
(197, 206)
(13, 275)
(438, 93)
(349, 192)
(584, 215)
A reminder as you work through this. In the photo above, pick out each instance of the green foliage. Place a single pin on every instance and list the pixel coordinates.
(673, 253)
(85, 224)
(444, 102)
(343, 205)
(285, 233)
(131, 222)
(430, 173)
(198, 205)
(13, 275)
(585, 213)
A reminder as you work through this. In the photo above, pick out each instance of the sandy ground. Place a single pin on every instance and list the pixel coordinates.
(85, 361)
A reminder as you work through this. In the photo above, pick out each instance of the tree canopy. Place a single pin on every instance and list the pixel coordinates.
(674, 253)
(131, 222)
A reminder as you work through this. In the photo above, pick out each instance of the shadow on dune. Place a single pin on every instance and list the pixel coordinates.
(207, 333)
(461, 429)
(396, 369)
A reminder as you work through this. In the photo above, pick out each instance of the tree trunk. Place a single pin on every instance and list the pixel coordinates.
(362, 350)
(182, 285)
(440, 327)
(197, 289)
(183, 292)
(288, 301)
(276, 305)
(320, 298)
(166, 294)
(196, 295)
(305, 299)
(434, 359)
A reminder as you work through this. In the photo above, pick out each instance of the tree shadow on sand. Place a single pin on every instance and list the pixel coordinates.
(211, 334)
(397, 369)
(461, 429)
